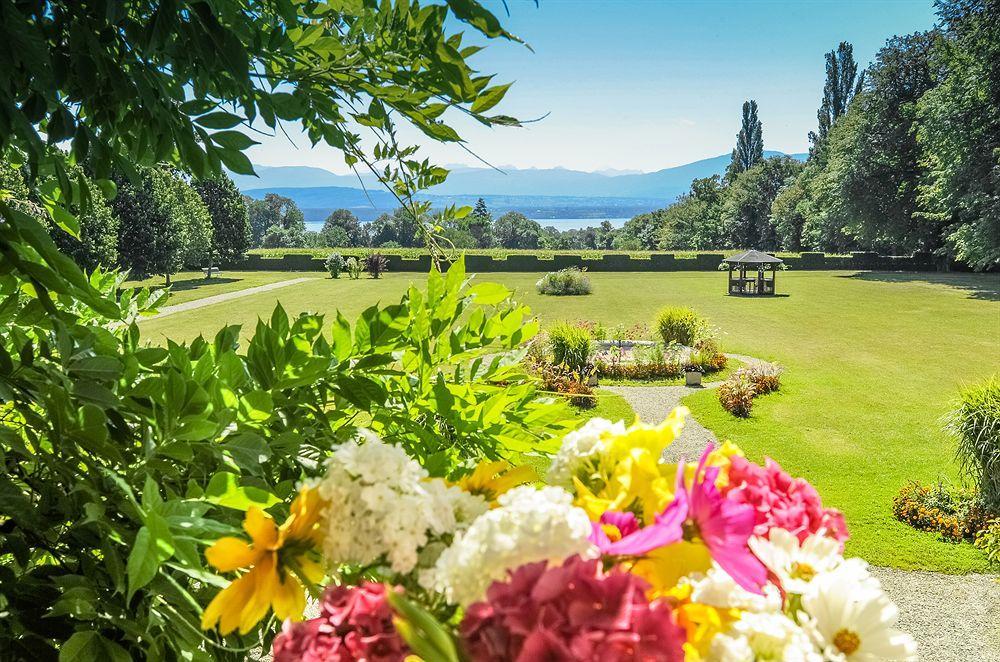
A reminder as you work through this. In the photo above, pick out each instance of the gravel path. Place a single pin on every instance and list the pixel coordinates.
(225, 296)
(952, 617)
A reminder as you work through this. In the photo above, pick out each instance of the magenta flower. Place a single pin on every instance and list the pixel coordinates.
(630, 538)
(575, 611)
(355, 623)
(722, 525)
(778, 500)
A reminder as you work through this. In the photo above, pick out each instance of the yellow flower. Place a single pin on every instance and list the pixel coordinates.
(629, 475)
(720, 457)
(701, 622)
(491, 479)
(663, 567)
(276, 561)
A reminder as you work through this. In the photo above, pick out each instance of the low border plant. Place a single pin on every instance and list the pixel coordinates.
(571, 281)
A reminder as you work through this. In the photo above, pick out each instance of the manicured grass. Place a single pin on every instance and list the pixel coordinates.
(872, 361)
(610, 406)
(191, 285)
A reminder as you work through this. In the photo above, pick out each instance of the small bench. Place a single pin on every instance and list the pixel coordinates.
(208, 271)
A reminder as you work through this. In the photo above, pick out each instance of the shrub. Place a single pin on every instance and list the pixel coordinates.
(988, 540)
(716, 362)
(354, 268)
(954, 514)
(678, 325)
(334, 264)
(561, 379)
(565, 282)
(637, 371)
(975, 423)
(597, 330)
(766, 377)
(736, 395)
(376, 264)
(706, 340)
(571, 346)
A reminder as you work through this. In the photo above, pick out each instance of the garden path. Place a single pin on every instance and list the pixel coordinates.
(225, 296)
(952, 617)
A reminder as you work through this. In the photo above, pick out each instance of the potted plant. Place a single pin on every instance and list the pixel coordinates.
(692, 374)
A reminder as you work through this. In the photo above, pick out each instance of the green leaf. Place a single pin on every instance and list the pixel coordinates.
(81, 647)
(257, 406)
(490, 97)
(63, 218)
(224, 490)
(219, 120)
(489, 294)
(233, 140)
(153, 545)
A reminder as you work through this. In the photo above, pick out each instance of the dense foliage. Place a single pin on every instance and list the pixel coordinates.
(905, 158)
(230, 220)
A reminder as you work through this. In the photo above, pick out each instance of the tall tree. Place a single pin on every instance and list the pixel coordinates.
(479, 224)
(342, 229)
(278, 218)
(515, 230)
(230, 219)
(842, 83)
(746, 208)
(164, 223)
(960, 133)
(749, 148)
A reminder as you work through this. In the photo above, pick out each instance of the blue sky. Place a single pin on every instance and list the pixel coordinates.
(648, 84)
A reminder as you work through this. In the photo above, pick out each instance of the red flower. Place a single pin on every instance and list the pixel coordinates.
(782, 501)
(355, 623)
(571, 612)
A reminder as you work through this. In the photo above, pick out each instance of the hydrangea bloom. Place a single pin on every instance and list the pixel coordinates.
(571, 612)
(529, 525)
(782, 501)
(385, 505)
(764, 637)
(579, 447)
(355, 623)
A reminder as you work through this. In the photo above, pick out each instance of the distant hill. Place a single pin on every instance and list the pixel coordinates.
(569, 191)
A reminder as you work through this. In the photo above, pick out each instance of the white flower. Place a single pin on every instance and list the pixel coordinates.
(795, 565)
(850, 618)
(385, 508)
(580, 446)
(529, 525)
(717, 589)
(763, 637)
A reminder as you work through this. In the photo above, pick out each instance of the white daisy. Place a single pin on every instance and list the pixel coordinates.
(850, 618)
(797, 565)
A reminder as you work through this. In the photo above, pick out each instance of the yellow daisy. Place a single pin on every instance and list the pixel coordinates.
(491, 479)
(276, 561)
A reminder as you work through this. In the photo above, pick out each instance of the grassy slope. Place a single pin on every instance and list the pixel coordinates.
(872, 362)
(191, 285)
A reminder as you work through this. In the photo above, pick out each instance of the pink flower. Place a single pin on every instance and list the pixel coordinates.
(781, 501)
(630, 539)
(723, 526)
(575, 611)
(355, 623)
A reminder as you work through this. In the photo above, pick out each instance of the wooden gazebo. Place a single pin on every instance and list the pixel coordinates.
(756, 284)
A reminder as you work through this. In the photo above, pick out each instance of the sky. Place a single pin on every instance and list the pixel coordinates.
(641, 85)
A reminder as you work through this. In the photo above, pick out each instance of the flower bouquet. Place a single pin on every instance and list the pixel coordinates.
(616, 556)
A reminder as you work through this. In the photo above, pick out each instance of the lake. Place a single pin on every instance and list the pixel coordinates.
(557, 223)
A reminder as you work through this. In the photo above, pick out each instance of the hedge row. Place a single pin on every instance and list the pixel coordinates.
(611, 262)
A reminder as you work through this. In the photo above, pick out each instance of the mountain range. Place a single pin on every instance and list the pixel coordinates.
(536, 192)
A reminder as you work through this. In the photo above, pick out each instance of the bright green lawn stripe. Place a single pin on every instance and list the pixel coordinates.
(872, 362)
(190, 285)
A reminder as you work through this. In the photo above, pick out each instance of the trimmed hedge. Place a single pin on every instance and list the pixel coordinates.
(413, 262)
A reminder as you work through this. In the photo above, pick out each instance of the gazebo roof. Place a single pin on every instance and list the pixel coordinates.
(752, 257)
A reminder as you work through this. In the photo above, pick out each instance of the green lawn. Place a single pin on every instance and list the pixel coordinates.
(191, 285)
(872, 362)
